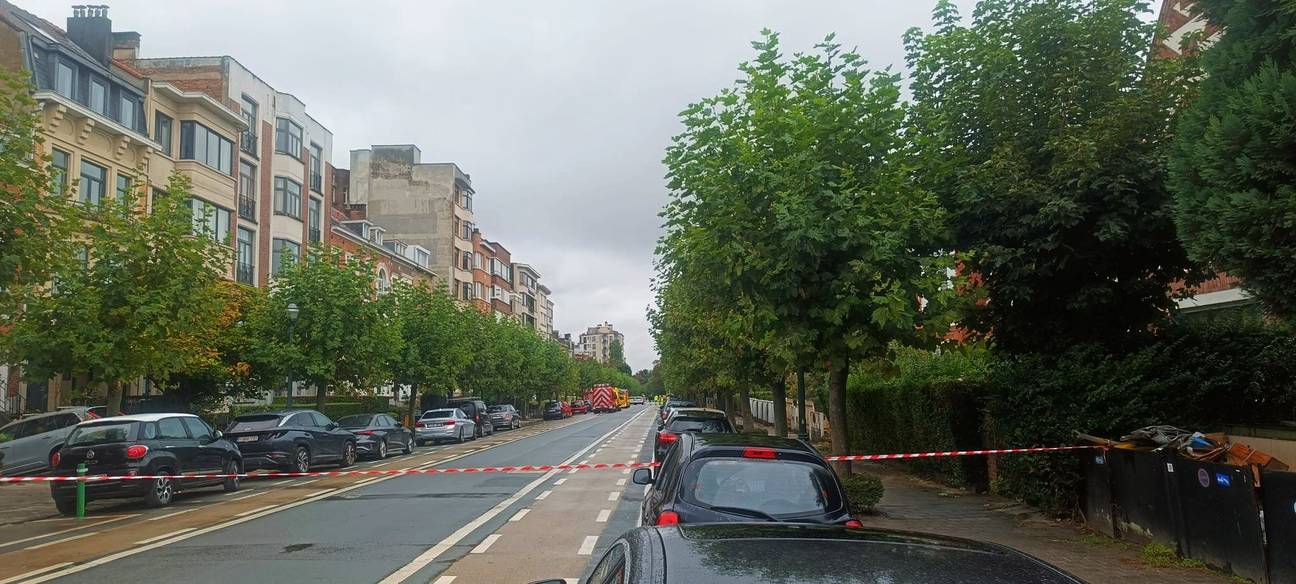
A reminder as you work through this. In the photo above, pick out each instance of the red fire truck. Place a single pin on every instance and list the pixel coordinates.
(602, 398)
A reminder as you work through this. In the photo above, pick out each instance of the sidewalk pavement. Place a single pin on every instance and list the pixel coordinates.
(912, 504)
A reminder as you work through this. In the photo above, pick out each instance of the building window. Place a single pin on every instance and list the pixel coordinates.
(93, 178)
(282, 253)
(210, 220)
(465, 199)
(162, 132)
(59, 163)
(465, 291)
(288, 138)
(466, 261)
(422, 257)
(316, 216)
(245, 256)
(123, 186)
(317, 168)
(248, 140)
(127, 107)
(98, 97)
(467, 230)
(287, 197)
(247, 191)
(198, 142)
(383, 284)
(65, 80)
(478, 289)
(479, 261)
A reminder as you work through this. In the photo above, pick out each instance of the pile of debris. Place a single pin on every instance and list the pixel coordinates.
(1192, 445)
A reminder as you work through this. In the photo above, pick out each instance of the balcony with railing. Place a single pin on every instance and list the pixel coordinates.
(243, 272)
(314, 235)
(248, 143)
(247, 208)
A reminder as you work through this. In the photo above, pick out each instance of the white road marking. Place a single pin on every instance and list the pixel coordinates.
(603, 516)
(626, 471)
(161, 517)
(280, 483)
(435, 551)
(614, 495)
(59, 541)
(573, 471)
(308, 482)
(571, 580)
(485, 544)
(559, 482)
(257, 510)
(165, 535)
(247, 496)
(587, 546)
(68, 530)
(36, 572)
(384, 464)
(444, 580)
(519, 515)
(621, 482)
(586, 461)
(543, 496)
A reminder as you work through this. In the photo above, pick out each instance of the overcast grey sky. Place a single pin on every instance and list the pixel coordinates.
(560, 110)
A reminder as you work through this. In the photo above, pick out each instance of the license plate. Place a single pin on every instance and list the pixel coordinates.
(248, 438)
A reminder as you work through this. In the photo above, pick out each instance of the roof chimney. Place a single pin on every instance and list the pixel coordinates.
(90, 28)
(125, 45)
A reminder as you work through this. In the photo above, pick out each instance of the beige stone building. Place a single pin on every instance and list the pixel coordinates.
(596, 342)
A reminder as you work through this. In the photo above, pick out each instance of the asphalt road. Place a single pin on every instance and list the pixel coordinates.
(460, 528)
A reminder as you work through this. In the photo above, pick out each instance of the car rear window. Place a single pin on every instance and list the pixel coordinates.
(261, 422)
(356, 421)
(496, 409)
(552, 404)
(776, 487)
(699, 425)
(438, 414)
(105, 433)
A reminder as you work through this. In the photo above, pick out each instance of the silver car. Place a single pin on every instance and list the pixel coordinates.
(27, 444)
(444, 424)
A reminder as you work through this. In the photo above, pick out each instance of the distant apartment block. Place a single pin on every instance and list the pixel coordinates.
(533, 306)
(596, 342)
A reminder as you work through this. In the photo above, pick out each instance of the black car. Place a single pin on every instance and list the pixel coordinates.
(671, 404)
(144, 444)
(742, 477)
(476, 410)
(294, 440)
(505, 416)
(378, 434)
(689, 420)
(767, 553)
(553, 410)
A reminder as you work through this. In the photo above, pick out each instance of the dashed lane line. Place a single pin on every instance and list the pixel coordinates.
(248, 496)
(36, 572)
(69, 530)
(603, 516)
(255, 511)
(165, 535)
(444, 580)
(614, 495)
(543, 496)
(486, 544)
(519, 515)
(587, 546)
(59, 541)
(621, 482)
(174, 513)
(559, 482)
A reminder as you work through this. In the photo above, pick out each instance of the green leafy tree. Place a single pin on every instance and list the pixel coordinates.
(147, 286)
(617, 358)
(792, 191)
(435, 346)
(1231, 168)
(1043, 126)
(37, 221)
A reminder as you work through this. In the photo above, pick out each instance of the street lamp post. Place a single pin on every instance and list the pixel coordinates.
(292, 321)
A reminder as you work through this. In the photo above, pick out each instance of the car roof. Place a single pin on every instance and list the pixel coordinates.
(463, 399)
(731, 553)
(721, 440)
(139, 418)
(273, 413)
(698, 413)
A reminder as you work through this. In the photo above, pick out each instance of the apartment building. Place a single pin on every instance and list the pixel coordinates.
(424, 204)
(533, 306)
(110, 129)
(596, 342)
(499, 264)
(282, 168)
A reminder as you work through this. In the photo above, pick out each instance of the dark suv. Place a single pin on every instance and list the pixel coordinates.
(144, 444)
(294, 440)
(505, 416)
(689, 420)
(476, 410)
(553, 410)
(742, 477)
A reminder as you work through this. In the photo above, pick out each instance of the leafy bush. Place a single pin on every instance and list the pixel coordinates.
(863, 492)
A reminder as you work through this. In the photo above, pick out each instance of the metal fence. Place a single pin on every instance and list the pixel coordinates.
(763, 410)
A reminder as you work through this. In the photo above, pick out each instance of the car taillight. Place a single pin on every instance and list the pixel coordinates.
(668, 518)
(759, 453)
(136, 451)
(420, 425)
(449, 423)
(854, 523)
(666, 437)
(363, 433)
(54, 460)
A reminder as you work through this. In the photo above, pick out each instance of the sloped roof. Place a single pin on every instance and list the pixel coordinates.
(35, 25)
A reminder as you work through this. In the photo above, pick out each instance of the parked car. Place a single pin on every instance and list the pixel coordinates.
(553, 410)
(742, 477)
(580, 406)
(378, 434)
(445, 424)
(689, 420)
(146, 444)
(505, 416)
(476, 410)
(567, 409)
(761, 554)
(672, 403)
(27, 444)
(636, 400)
(294, 440)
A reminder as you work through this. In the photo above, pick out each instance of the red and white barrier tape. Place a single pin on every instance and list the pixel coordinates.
(508, 469)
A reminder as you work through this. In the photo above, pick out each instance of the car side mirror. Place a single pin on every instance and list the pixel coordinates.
(217, 435)
(331, 426)
(642, 476)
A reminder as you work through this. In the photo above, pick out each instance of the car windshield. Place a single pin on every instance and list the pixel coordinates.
(256, 422)
(699, 425)
(105, 433)
(776, 487)
(552, 405)
(433, 414)
(496, 409)
(356, 421)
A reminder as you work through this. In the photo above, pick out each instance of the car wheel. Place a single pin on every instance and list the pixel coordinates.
(231, 484)
(161, 491)
(65, 506)
(459, 439)
(409, 446)
(301, 460)
(348, 455)
(382, 449)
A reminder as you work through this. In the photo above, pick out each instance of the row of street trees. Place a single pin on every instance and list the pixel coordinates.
(112, 294)
(1035, 185)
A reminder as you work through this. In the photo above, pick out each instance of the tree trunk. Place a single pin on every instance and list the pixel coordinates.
(727, 404)
(321, 396)
(838, 430)
(744, 407)
(413, 408)
(779, 389)
(115, 392)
